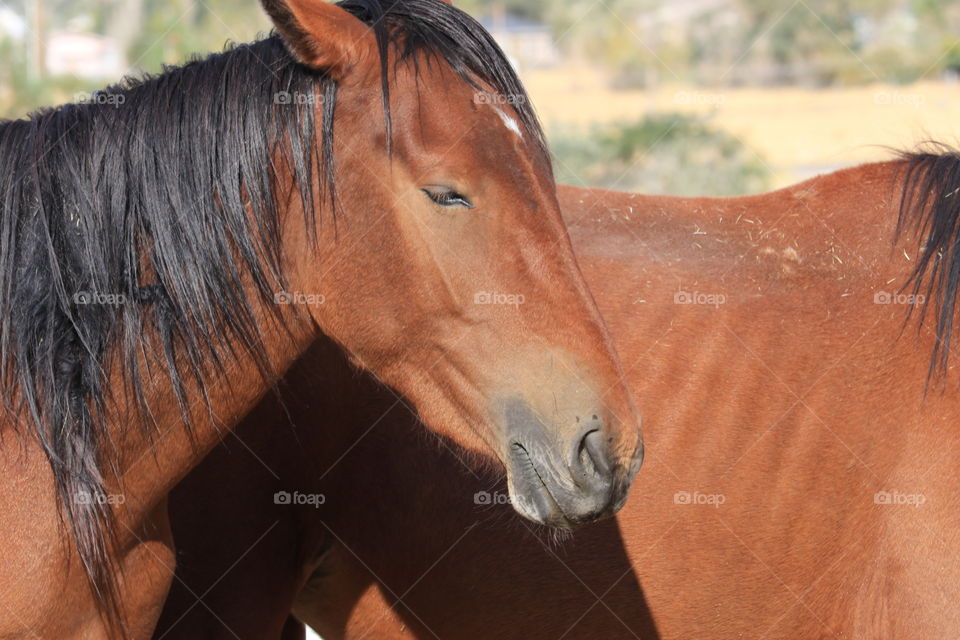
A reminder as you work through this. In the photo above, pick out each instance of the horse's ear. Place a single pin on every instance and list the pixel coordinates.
(320, 35)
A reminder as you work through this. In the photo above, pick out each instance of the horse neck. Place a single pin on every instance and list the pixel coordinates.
(151, 462)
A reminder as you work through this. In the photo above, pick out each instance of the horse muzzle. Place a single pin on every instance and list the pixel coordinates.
(563, 481)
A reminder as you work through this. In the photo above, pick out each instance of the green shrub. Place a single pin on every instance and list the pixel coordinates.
(662, 153)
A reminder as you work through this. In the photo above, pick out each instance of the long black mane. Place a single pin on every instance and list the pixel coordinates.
(930, 209)
(143, 210)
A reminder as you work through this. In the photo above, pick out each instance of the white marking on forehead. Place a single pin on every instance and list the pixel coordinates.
(510, 122)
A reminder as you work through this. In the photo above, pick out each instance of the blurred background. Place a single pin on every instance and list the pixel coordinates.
(686, 97)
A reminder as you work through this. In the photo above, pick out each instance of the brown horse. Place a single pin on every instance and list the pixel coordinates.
(800, 482)
(169, 249)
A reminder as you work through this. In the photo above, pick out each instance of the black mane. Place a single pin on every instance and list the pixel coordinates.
(930, 208)
(125, 213)
(142, 210)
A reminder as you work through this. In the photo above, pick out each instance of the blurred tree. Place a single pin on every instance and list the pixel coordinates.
(605, 31)
(530, 9)
(173, 30)
(826, 41)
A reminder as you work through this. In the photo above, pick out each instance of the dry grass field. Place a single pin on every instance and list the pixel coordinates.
(799, 132)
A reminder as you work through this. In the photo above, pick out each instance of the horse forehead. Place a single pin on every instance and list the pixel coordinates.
(468, 128)
(509, 121)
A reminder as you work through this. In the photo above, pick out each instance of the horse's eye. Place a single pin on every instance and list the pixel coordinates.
(446, 197)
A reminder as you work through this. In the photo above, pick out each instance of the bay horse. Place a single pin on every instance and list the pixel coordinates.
(801, 477)
(171, 246)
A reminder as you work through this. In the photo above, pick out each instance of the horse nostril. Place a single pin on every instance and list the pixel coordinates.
(592, 455)
(584, 456)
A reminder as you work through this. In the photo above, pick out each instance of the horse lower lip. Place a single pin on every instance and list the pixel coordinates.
(557, 518)
(534, 481)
